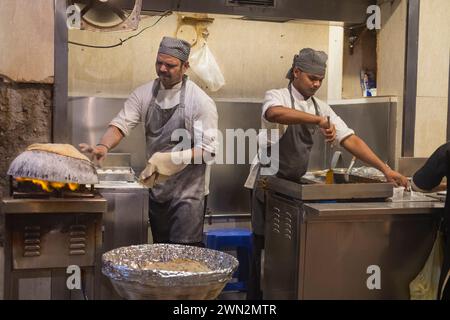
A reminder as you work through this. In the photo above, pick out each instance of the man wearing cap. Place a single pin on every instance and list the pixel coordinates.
(167, 105)
(295, 114)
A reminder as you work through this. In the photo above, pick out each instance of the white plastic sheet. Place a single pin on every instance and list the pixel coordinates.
(206, 68)
(425, 285)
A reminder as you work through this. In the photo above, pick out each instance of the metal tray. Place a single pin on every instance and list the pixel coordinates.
(340, 178)
(116, 174)
(358, 188)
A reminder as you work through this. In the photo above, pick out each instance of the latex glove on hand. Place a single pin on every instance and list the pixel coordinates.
(162, 165)
(149, 177)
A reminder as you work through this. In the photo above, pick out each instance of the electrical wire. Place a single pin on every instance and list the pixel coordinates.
(164, 14)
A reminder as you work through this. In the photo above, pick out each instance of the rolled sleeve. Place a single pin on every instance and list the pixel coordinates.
(130, 115)
(271, 98)
(205, 125)
(273, 131)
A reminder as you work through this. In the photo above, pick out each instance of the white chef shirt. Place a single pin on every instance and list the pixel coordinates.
(281, 97)
(199, 109)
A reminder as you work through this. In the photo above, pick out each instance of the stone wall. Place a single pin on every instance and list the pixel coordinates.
(25, 118)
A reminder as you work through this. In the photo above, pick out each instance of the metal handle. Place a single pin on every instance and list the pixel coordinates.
(352, 163)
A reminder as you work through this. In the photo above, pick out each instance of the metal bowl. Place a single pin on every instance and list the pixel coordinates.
(123, 267)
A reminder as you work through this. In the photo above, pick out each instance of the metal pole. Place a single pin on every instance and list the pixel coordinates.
(60, 124)
(410, 90)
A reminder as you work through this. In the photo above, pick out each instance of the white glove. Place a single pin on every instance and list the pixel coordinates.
(149, 179)
(164, 164)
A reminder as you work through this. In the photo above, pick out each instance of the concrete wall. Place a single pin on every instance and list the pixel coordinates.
(432, 82)
(26, 77)
(253, 56)
(25, 118)
(26, 40)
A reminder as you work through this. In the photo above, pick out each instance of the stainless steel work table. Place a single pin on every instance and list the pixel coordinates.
(334, 210)
(354, 249)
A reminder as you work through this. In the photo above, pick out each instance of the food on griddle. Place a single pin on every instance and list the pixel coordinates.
(59, 148)
(180, 264)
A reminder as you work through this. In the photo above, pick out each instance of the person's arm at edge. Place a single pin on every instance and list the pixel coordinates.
(356, 146)
(429, 177)
(441, 187)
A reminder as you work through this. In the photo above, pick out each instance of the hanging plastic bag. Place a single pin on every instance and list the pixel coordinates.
(425, 285)
(206, 68)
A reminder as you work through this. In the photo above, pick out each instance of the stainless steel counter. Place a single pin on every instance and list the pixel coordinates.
(323, 250)
(60, 205)
(361, 209)
(125, 222)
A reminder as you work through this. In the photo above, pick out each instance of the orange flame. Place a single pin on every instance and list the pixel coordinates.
(57, 185)
(50, 185)
(73, 186)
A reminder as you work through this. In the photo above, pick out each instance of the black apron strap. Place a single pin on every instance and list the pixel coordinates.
(316, 106)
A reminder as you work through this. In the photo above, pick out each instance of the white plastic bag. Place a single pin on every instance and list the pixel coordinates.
(425, 285)
(205, 67)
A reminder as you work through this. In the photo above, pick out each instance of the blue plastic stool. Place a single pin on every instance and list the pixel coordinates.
(233, 239)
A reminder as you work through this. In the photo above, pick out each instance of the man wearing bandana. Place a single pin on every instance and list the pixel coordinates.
(169, 105)
(296, 114)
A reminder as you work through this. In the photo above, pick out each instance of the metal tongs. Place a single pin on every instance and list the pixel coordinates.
(349, 169)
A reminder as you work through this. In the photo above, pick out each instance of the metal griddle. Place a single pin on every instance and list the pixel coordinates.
(316, 189)
(53, 167)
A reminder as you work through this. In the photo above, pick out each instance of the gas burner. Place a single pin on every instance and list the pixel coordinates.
(26, 189)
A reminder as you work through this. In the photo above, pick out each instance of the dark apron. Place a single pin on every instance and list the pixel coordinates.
(176, 205)
(294, 149)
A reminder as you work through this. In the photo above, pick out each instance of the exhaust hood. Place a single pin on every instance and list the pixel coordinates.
(346, 11)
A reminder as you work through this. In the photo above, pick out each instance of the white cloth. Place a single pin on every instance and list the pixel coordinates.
(281, 97)
(200, 111)
(164, 164)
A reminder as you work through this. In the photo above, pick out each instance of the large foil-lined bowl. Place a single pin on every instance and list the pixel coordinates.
(123, 266)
